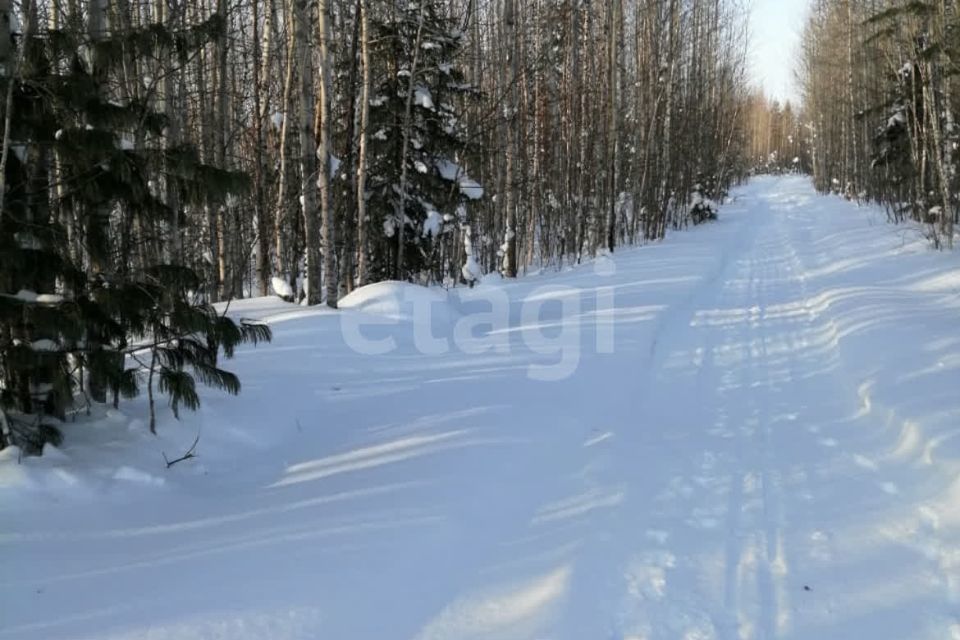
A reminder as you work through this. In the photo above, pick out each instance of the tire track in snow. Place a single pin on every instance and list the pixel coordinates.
(656, 600)
(752, 584)
(756, 566)
(774, 568)
(776, 433)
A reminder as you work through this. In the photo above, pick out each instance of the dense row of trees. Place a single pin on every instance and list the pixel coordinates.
(881, 104)
(368, 128)
(778, 139)
(160, 156)
(609, 115)
(97, 297)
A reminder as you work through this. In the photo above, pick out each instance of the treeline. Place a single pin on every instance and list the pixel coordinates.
(99, 299)
(160, 156)
(880, 100)
(778, 138)
(551, 128)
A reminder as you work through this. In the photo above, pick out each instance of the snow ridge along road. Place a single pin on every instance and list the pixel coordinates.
(771, 450)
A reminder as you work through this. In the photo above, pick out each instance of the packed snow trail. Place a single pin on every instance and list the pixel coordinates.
(771, 449)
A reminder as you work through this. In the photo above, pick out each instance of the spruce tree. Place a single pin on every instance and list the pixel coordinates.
(416, 186)
(84, 311)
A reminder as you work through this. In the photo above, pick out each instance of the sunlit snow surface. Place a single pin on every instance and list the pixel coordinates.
(771, 450)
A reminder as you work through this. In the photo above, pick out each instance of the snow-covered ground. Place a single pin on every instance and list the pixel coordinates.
(751, 430)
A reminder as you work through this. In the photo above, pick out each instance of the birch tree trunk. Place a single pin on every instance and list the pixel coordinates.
(510, 200)
(326, 88)
(280, 217)
(362, 254)
(308, 152)
(261, 98)
(222, 137)
(613, 116)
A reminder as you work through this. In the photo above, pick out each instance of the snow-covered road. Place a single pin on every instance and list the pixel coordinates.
(754, 433)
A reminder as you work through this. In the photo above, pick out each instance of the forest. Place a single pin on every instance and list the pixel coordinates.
(479, 319)
(162, 156)
(878, 118)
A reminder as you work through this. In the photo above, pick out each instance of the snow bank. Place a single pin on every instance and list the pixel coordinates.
(53, 473)
(494, 279)
(281, 287)
(770, 450)
(400, 301)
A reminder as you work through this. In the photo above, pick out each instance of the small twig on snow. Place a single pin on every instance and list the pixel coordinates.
(191, 453)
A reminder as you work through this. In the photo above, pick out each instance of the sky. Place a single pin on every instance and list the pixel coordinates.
(775, 27)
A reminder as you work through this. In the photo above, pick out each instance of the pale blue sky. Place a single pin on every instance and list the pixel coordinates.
(775, 27)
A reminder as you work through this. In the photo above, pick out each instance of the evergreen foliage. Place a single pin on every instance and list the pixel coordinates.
(77, 310)
(437, 137)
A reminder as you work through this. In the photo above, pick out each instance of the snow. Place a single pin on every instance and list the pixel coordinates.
(471, 270)
(398, 301)
(389, 227)
(44, 345)
(448, 170)
(471, 188)
(422, 98)
(25, 295)
(770, 449)
(452, 172)
(130, 474)
(494, 278)
(15, 27)
(433, 225)
(281, 287)
(335, 163)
